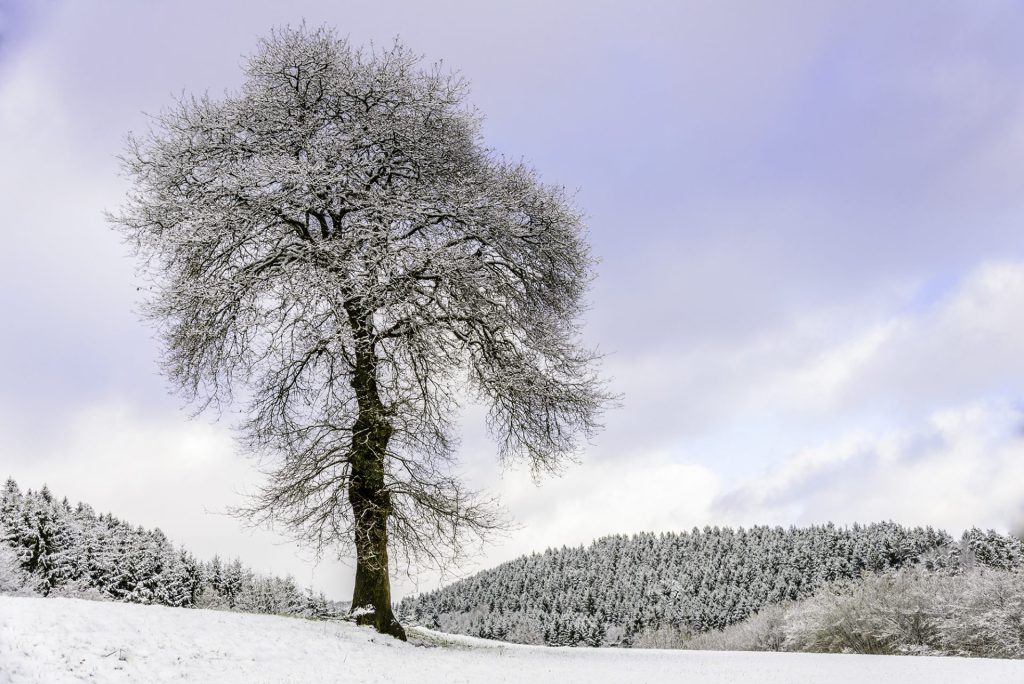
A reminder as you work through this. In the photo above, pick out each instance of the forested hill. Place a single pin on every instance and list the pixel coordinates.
(620, 586)
(48, 546)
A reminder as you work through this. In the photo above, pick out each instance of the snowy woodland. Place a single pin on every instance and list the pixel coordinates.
(49, 547)
(668, 590)
(879, 589)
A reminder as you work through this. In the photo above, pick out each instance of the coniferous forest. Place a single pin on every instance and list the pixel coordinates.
(50, 547)
(622, 589)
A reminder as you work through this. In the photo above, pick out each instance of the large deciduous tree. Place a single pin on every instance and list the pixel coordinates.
(334, 250)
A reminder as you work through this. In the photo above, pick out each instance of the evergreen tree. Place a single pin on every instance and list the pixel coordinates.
(623, 587)
(49, 545)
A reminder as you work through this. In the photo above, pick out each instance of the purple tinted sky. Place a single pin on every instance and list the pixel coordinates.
(808, 213)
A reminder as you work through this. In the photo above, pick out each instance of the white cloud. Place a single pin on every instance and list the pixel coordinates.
(967, 345)
(655, 493)
(877, 399)
(963, 467)
(815, 385)
(869, 364)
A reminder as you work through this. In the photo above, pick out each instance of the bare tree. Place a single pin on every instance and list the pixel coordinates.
(335, 251)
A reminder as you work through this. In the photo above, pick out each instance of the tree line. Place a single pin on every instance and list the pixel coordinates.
(53, 548)
(621, 588)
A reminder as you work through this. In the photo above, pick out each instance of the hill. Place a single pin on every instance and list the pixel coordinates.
(621, 588)
(67, 640)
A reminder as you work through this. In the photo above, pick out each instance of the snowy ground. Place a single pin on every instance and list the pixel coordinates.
(66, 640)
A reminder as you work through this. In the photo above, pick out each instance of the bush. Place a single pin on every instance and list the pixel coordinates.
(915, 612)
(986, 617)
(891, 613)
(661, 637)
(764, 631)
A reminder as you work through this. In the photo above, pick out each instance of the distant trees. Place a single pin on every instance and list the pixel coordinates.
(335, 247)
(46, 546)
(654, 589)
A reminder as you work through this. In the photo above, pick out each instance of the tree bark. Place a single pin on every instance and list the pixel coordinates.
(367, 493)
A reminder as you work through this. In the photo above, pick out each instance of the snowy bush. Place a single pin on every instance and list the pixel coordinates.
(765, 631)
(985, 617)
(890, 613)
(662, 636)
(211, 599)
(914, 611)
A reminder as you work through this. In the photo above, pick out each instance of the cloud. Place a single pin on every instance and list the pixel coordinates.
(912, 395)
(963, 467)
(966, 344)
(892, 357)
(67, 291)
(650, 492)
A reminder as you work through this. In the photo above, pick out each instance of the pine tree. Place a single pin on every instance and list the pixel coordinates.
(10, 507)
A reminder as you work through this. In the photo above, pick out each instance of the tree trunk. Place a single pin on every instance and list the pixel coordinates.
(368, 494)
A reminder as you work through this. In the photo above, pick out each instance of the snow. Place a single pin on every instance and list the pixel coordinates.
(66, 640)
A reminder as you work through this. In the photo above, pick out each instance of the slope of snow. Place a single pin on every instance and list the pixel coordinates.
(66, 640)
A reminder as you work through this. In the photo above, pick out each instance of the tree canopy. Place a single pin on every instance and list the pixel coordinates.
(335, 250)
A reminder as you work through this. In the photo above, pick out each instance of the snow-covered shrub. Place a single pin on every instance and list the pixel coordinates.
(979, 612)
(663, 636)
(768, 628)
(764, 631)
(890, 613)
(985, 616)
(210, 599)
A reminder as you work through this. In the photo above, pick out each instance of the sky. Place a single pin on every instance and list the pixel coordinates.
(808, 216)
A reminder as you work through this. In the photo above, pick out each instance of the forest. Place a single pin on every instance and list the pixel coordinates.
(627, 590)
(877, 588)
(49, 547)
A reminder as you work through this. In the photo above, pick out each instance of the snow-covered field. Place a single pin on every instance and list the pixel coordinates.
(67, 640)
